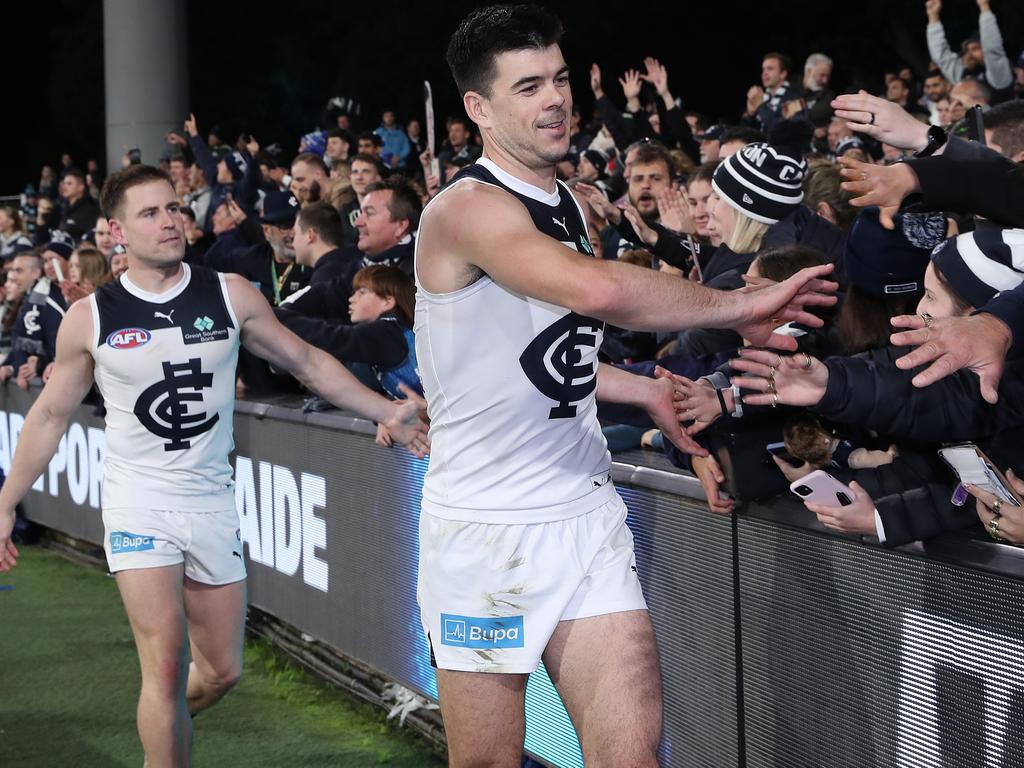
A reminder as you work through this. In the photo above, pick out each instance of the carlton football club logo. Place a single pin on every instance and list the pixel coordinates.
(560, 362)
(128, 338)
(163, 408)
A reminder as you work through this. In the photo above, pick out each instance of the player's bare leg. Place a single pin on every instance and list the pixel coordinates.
(216, 626)
(153, 600)
(606, 670)
(484, 718)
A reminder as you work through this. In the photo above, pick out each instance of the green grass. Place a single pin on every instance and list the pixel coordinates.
(69, 678)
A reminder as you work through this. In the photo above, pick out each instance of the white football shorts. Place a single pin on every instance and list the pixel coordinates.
(491, 595)
(209, 543)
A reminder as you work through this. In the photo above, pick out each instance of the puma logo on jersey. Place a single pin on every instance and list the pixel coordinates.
(561, 224)
(166, 317)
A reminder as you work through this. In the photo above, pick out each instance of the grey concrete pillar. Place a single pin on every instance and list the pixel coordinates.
(145, 53)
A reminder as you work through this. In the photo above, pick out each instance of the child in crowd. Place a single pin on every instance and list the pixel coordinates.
(381, 308)
(807, 440)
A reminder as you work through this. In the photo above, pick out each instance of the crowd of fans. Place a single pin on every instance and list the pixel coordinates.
(327, 235)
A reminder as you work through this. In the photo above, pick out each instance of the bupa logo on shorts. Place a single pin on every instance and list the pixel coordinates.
(129, 338)
(481, 632)
(123, 541)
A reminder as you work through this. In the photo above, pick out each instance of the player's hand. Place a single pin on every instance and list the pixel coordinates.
(383, 438)
(662, 408)
(406, 427)
(780, 379)
(881, 119)
(711, 477)
(190, 125)
(8, 552)
(858, 517)
(977, 342)
(884, 186)
(1011, 519)
(775, 304)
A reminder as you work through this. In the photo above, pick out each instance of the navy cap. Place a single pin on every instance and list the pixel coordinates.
(279, 208)
(713, 133)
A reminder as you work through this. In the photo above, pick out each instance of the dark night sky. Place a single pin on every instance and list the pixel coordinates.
(269, 68)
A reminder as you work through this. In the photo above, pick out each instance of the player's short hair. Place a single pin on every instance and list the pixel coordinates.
(405, 204)
(487, 32)
(309, 158)
(325, 219)
(115, 187)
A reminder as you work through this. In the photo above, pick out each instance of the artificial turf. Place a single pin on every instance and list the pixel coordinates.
(69, 678)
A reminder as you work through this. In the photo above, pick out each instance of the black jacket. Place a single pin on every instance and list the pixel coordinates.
(81, 217)
(257, 265)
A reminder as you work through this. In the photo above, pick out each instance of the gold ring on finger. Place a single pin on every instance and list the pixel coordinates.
(997, 507)
(775, 401)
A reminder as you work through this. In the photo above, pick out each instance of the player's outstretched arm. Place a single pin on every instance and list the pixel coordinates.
(656, 396)
(265, 337)
(48, 418)
(510, 249)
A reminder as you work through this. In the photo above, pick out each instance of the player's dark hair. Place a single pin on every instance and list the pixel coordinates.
(405, 203)
(486, 32)
(325, 219)
(115, 187)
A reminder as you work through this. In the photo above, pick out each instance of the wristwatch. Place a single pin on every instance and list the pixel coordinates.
(936, 139)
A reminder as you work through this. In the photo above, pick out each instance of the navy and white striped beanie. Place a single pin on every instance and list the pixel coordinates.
(761, 182)
(982, 264)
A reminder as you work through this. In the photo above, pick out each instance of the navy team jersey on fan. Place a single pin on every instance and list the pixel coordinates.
(511, 384)
(165, 365)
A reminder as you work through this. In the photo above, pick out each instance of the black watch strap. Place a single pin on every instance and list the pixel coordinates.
(936, 139)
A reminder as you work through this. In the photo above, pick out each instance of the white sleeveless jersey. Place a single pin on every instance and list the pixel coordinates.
(165, 365)
(510, 383)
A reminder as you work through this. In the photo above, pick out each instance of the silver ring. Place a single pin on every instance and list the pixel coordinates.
(775, 401)
(808, 361)
(928, 319)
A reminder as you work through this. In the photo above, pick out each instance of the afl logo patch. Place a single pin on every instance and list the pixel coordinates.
(129, 338)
